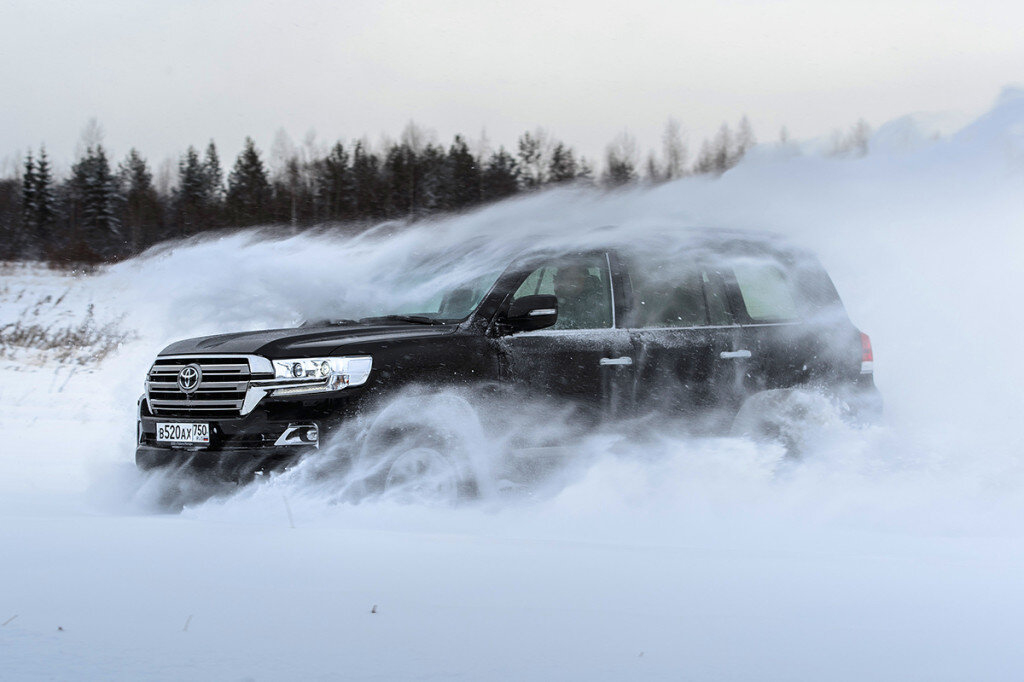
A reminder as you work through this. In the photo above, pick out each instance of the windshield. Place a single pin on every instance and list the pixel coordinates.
(425, 302)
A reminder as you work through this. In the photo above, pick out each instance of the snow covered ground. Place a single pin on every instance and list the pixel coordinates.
(890, 553)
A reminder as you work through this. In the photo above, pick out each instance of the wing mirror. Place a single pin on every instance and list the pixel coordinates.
(532, 312)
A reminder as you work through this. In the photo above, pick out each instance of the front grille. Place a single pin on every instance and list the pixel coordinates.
(220, 393)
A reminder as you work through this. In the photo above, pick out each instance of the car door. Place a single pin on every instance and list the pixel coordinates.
(585, 357)
(688, 362)
(782, 349)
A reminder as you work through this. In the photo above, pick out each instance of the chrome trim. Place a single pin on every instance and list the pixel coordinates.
(573, 332)
(625, 360)
(249, 393)
(293, 435)
(257, 363)
(611, 287)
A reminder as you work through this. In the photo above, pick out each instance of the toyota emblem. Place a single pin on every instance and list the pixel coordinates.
(189, 378)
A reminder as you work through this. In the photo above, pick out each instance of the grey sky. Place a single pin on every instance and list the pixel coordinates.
(163, 75)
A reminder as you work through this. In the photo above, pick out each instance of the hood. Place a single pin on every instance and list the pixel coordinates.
(308, 341)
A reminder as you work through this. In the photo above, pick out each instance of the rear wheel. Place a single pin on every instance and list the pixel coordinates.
(788, 417)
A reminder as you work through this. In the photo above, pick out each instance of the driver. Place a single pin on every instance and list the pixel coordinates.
(582, 298)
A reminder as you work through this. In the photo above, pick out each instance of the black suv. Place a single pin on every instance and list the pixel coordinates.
(699, 326)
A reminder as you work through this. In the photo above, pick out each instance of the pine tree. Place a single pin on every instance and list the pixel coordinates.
(434, 178)
(585, 173)
(500, 178)
(723, 150)
(369, 187)
(620, 161)
(213, 175)
(213, 210)
(745, 140)
(334, 184)
(402, 169)
(562, 167)
(531, 159)
(29, 197)
(22, 236)
(705, 160)
(191, 194)
(673, 149)
(248, 199)
(141, 205)
(96, 226)
(46, 199)
(464, 187)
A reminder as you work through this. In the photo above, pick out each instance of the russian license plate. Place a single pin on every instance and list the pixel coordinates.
(182, 432)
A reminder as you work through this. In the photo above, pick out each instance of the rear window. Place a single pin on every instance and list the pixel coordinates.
(677, 295)
(767, 293)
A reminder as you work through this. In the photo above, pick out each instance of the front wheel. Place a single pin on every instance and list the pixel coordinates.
(419, 449)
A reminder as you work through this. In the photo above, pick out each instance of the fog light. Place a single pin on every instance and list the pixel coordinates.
(312, 435)
(297, 369)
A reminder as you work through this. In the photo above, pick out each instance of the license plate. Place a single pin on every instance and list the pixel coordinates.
(182, 432)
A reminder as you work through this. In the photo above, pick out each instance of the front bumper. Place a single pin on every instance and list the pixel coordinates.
(264, 439)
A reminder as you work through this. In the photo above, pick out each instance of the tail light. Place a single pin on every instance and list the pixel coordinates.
(867, 355)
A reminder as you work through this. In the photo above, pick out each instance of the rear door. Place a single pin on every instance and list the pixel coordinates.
(688, 362)
(784, 350)
(585, 356)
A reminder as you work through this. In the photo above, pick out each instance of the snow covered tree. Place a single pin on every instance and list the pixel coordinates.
(142, 209)
(562, 167)
(402, 169)
(46, 200)
(190, 197)
(723, 151)
(434, 178)
(705, 162)
(653, 172)
(369, 186)
(620, 161)
(335, 185)
(532, 148)
(96, 225)
(214, 187)
(500, 178)
(249, 196)
(29, 204)
(464, 175)
(745, 139)
(673, 150)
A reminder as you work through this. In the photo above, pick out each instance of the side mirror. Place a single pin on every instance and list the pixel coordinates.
(532, 312)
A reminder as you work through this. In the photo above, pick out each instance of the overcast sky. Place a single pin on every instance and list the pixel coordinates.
(162, 75)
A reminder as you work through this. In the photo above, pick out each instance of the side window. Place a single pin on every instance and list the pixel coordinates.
(714, 294)
(669, 295)
(583, 289)
(767, 294)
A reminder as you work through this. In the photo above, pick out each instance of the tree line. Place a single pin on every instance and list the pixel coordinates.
(105, 212)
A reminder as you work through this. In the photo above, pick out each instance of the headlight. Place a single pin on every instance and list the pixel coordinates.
(316, 375)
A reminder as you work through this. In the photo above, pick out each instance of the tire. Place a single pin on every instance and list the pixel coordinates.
(787, 417)
(419, 449)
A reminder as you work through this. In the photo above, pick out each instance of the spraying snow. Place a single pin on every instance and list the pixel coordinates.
(889, 552)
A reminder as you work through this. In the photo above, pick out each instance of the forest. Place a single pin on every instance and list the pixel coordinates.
(105, 210)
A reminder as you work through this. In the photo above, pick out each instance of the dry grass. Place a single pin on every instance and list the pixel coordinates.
(83, 343)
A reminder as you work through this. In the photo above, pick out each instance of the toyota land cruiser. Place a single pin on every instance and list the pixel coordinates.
(696, 331)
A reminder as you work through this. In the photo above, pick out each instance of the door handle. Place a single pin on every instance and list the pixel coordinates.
(624, 360)
(731, 354)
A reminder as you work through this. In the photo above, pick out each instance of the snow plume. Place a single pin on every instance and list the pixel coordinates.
(891, 552)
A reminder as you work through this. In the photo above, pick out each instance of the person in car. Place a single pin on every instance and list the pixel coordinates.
(582, 298)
